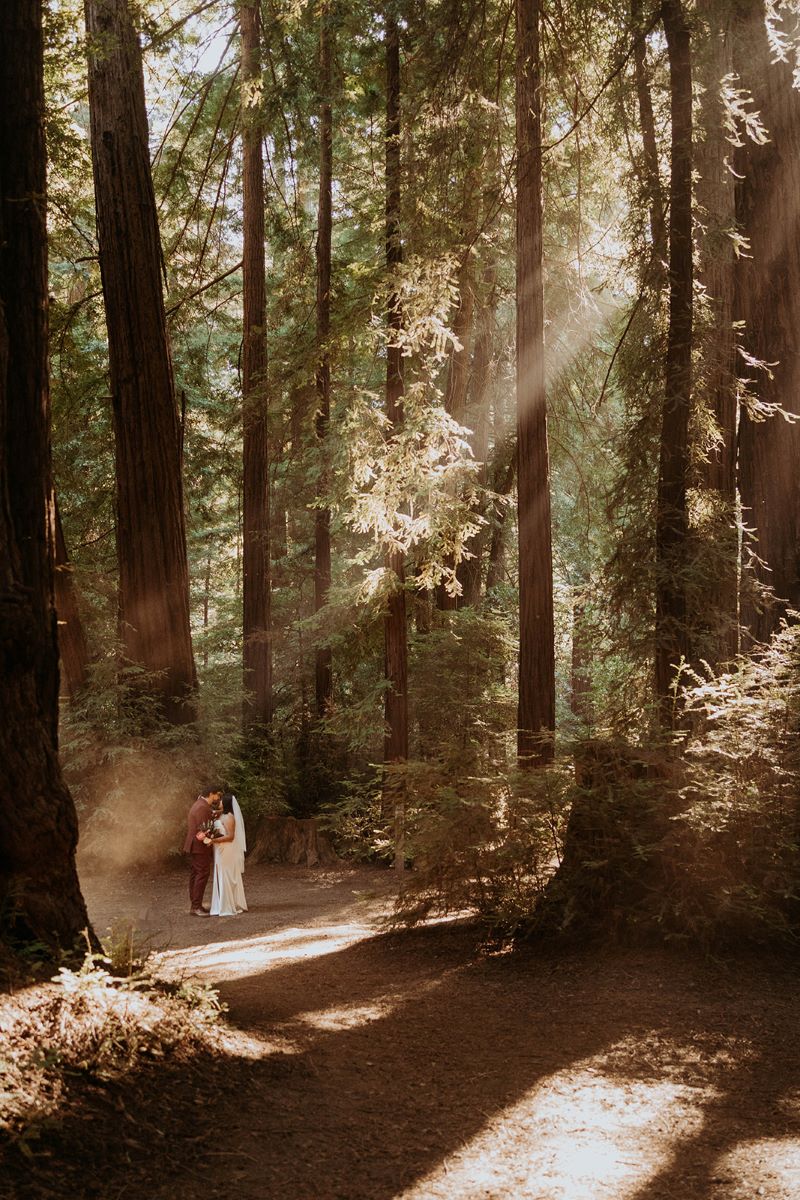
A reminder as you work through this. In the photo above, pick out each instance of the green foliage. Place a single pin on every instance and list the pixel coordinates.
(482, 844)
(441, 487)
(126, 951)
(99, 1025)
(740, 791)
(695, 839)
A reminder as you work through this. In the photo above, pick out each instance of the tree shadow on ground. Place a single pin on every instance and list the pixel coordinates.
(381, 1061)
(739, 1149)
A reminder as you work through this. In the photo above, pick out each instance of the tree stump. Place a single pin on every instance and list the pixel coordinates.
(291, 840)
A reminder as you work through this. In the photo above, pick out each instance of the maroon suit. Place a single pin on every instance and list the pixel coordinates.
(200, 855)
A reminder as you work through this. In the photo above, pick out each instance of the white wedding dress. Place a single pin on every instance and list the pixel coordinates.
(227, 897)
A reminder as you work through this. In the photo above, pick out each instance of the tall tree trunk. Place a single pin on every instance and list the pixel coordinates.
(395, 747)
(71, 638)
(768, 303)
(24, 257)
(652, 176)
(151, 534)
(580, 700)
(498, 525)
(672, 522)
(536, 707)
(716, 201)
(322, 519)
(256, 566)
(40, 898)
(206, 606)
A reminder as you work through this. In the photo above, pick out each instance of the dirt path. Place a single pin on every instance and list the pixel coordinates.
(378, 1066)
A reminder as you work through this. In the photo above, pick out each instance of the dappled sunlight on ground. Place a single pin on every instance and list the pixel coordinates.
(250, 956)
(361, 1064)
(767, 1166)
(577, 1135)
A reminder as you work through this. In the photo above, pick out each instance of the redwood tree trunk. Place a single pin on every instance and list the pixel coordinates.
(580, 700)
(24, 282)
(40, 899)
(496, 566)
(536, 707)
(322, 520)
(395, 748)
(672, 522)
(71, 639)
(717, 263)
(768, 302)
(257, 608)
(652, 176)
(151, 534)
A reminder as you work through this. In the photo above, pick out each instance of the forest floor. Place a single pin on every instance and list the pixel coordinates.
(416, 1065)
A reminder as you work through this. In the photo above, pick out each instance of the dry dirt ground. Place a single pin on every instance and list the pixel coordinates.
(418, 1066)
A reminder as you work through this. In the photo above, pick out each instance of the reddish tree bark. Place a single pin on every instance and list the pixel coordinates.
(71, 638)
(536, 706)
(672, 521)
(768, 303)
(151, 534)
(256, 565)
(652, 176)
(322, 519)
(40, 898)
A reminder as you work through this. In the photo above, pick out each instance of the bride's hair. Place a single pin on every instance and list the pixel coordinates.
(227, 802)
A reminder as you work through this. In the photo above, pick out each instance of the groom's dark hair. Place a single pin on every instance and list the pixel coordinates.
(214, 788)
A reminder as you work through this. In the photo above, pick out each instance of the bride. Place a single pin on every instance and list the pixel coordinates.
(228, 840)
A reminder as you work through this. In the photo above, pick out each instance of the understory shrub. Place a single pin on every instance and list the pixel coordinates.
(94, 1024)
(740, 825)
(696, 837)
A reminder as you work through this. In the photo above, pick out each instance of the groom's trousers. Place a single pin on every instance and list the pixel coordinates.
(200, 861)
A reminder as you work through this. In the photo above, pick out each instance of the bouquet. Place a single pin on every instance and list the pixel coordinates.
(207, 831)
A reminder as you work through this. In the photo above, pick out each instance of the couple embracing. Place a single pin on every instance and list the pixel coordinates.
(215, 838)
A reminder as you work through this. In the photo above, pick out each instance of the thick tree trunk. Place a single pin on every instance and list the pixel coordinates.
(322, 520)
(716, 201)
(71, 638)
(672, 522)
(536, 707)
(24, 282)
(257, 607)
(395, 747)
(151, 535)
(768, 303)
(40, 898)
(295, 840)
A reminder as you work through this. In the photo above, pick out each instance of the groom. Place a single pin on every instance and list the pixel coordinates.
(200, 855)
